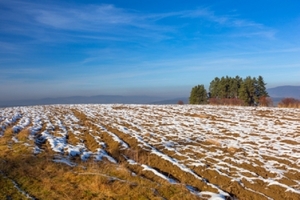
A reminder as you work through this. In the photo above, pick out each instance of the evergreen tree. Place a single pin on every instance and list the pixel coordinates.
(261, 88)
(233, 90)
(214, 88)
(198, 95)
(235, 84)
(247, 92)
(224, 87)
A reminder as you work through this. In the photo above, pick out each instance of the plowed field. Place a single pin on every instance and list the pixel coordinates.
(208, 152)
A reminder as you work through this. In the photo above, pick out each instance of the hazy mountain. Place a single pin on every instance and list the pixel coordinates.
(172, 101)
(99, 99)
(284, 91)
(277, 93)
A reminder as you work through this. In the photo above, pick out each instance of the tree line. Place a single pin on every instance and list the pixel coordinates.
(232, 91)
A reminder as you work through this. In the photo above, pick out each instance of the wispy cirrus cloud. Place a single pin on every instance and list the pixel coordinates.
(64, 45)
(262, 33)
(94, 22)
(7, 47)
(239, 27)
(89, 20)
(226, 20)
(86, 18)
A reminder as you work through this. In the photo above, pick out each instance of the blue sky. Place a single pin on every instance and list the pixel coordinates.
(161, 48)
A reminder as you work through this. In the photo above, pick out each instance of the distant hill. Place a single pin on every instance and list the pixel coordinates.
(172, 101)
(284, 92)
(277, 93)
(99, 99)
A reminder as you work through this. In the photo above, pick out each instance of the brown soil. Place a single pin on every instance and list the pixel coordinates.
(249, 154)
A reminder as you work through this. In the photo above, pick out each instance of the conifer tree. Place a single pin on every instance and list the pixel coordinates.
(224, 90)
(261, 88)
(214, 88)
(247, 91)
(198, 95)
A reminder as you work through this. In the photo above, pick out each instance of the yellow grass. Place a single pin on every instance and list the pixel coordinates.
(214, 142)
(42, 178)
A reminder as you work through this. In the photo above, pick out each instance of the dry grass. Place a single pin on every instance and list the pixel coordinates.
(232, 149)
(8, 191)
(23, 135)
(89, 141)
(42, 178)
(143, 156)
(72, 138)
(214, 142)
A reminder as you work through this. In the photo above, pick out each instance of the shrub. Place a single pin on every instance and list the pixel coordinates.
(265, 101)
(226, 101)
(289, 103)
(180, 102)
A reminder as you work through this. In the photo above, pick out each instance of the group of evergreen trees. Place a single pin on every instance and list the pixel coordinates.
(227, 90)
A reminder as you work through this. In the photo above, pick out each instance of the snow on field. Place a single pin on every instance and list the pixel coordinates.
(254, 151)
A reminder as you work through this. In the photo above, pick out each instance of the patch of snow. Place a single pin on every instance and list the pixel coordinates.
(64, 161)
(147, 168)
(101, 153)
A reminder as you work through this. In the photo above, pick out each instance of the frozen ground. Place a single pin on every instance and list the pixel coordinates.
(216, 152)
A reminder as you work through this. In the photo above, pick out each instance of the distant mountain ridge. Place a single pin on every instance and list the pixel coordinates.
(185, 100)
(284, 92)
(99, 99)
(276, 93)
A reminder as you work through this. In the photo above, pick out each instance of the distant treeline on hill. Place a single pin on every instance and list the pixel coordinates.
(232, 91)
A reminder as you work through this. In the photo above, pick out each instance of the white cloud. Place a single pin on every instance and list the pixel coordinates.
(116, 46)
(89, 20)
